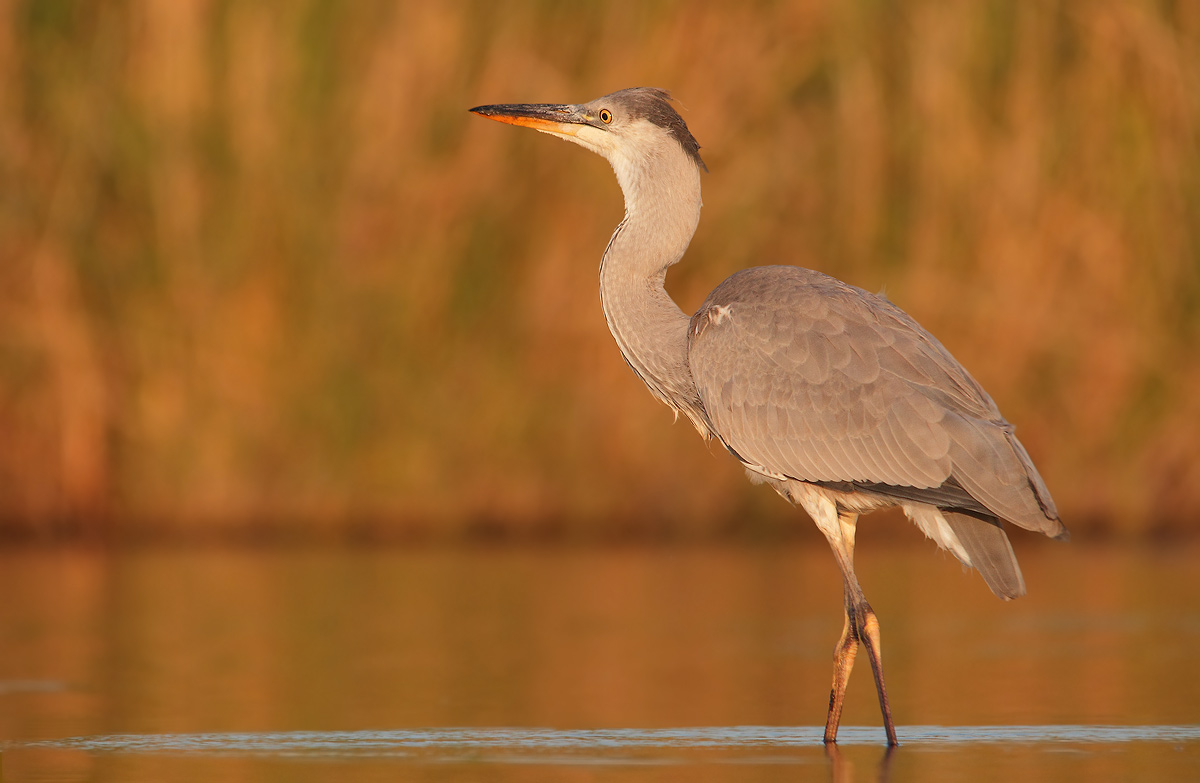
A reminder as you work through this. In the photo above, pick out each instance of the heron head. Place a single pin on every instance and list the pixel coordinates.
(629, 126)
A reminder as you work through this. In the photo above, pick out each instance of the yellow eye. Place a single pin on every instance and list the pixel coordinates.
(605, 116)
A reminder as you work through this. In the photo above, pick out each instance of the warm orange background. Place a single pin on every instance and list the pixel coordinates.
(260, 269)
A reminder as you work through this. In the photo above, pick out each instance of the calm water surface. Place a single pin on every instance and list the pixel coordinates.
(651, 664)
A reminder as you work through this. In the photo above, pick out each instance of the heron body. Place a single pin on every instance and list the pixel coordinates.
(832, 395)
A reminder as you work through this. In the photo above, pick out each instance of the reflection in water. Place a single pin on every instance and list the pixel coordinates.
(727, 747)
(258, 656)
(467, 741)
(843, 771)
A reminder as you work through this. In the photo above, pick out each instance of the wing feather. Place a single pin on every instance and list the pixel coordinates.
(990, 552)
(822, 382)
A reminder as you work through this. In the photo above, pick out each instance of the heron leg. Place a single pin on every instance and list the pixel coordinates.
(868, 632)
(843, 661)
(862, 627)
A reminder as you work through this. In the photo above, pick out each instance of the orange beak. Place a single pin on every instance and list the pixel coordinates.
(559, 119)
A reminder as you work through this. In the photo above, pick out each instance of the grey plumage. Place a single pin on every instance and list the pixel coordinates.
(832, 395)
(990, 552)
(825, 383)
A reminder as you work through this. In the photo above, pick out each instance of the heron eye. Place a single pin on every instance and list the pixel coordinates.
(605, 116)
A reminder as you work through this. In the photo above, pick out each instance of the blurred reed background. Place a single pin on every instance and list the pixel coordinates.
(261, 272)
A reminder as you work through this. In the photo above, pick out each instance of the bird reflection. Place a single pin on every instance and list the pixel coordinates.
(842, 769)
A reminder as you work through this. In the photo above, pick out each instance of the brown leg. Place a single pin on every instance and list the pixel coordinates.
(843, 662)
(862, 627)
(868, 632)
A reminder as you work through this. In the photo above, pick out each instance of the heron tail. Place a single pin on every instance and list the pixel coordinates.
(990, 552)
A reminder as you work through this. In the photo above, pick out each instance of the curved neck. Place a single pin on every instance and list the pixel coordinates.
(662, 209)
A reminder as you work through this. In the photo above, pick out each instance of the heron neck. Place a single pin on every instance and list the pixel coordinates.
(661, 213)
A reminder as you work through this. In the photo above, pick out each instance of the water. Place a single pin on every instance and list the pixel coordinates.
(652, 664)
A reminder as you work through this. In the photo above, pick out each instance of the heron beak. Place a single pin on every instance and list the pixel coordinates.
(559, 119)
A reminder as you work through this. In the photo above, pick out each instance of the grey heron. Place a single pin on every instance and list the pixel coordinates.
(833, 396)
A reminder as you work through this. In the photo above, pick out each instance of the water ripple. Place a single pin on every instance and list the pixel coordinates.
(467, 740)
